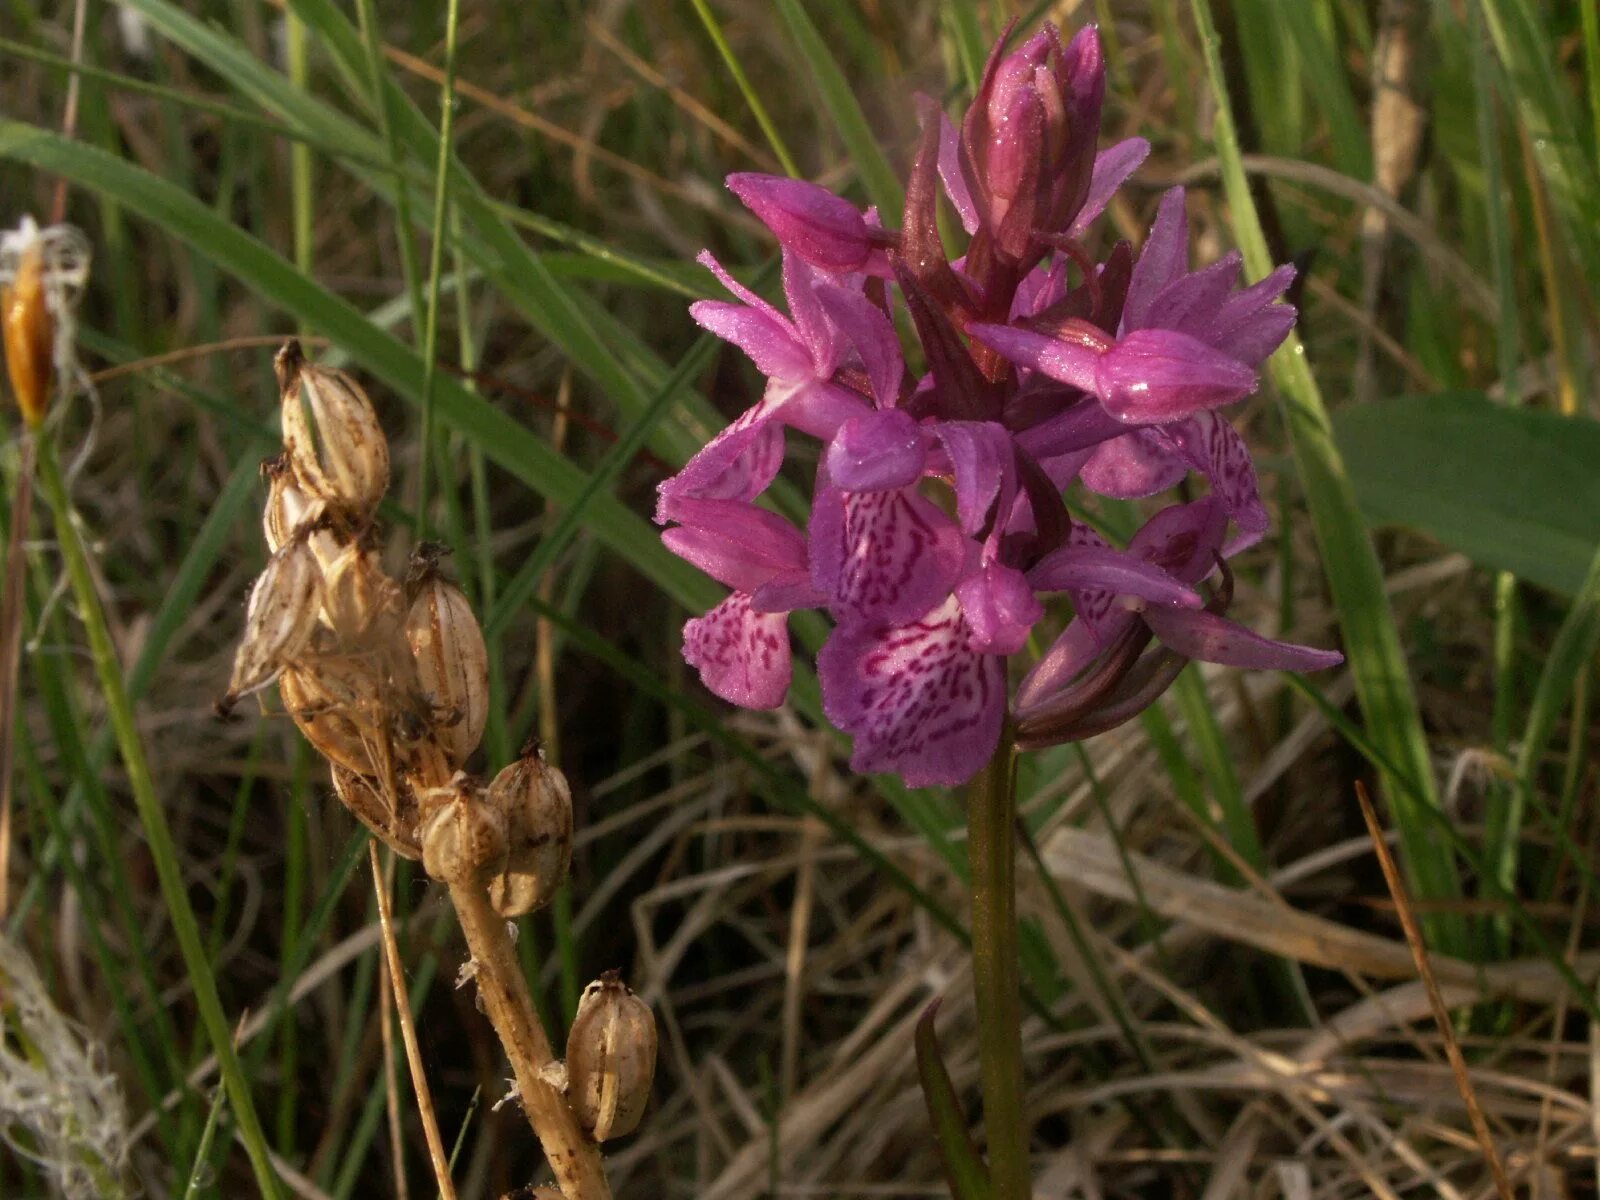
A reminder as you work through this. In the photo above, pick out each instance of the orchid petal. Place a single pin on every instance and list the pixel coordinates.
(983, 458)
(1112, 167)
(825, 230)
(737, 544)
(821, 338)
(725, 277)
(1100, 568)
(1210, 445)
(1132, 466)
(788, 592)
(1154, 375)
(1000, 608)
(1185, 540)
(1190, 301)
(955, 183)
(882, 556)
(742, 656)
(1066, 361)
(738, 464)
(770, 345)
(917, 699)
(1205, 636)
(872, 333)
(877, 452)
(1165, 254)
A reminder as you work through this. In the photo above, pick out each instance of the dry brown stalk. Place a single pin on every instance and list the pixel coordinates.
(1441, 1014)
(573, 1157)
(437, 1156)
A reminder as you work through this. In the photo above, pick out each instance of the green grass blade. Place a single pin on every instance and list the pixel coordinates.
(1548, 111)
(966, 33)
(1350, 562)
(877, 176)
(751, 97)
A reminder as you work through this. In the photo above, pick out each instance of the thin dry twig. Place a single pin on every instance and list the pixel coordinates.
(1441, 1014)
(408, 1031)
(391, 1095)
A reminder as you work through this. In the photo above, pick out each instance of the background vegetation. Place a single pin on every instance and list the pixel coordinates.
(1224, 1004)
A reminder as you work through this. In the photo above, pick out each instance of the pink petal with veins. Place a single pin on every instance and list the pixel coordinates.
(917, 698)
(742, 656)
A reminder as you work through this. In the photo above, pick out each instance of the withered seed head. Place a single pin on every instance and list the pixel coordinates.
(464, 839)
(331, 434)
(394, 823)
(452, 665)
(280, 619)
(611, 1058)
(537, 805)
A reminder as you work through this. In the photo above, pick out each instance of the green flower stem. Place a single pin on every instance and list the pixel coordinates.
(991, 848)
(156, 831)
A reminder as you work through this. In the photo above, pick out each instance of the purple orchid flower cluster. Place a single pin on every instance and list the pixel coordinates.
(938, 520)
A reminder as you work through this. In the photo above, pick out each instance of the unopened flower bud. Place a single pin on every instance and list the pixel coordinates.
(452, 665)
(537, 805)
(331, 434)
(335, 701)
(1029, 139)
(464, 840)
(611, 1058)
(823, 229)
(280, 620)
(393, 821)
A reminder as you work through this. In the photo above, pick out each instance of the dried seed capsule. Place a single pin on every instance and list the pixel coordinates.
(290, 513)
(331, 434)
(336, 703)
(611, 1058)
(279, 621)
(42, 276)
(452, 665)
(29, 331)
(537, 804)
(356, 594)
(464, 839)
(393, 822)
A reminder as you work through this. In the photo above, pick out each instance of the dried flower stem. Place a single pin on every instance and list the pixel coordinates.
(573, 1157)
(408, 1030)
(996, 979)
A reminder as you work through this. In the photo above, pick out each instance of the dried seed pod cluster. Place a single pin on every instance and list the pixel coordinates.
(387, 678)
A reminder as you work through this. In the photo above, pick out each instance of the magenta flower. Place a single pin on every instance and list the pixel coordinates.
(938, 528)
